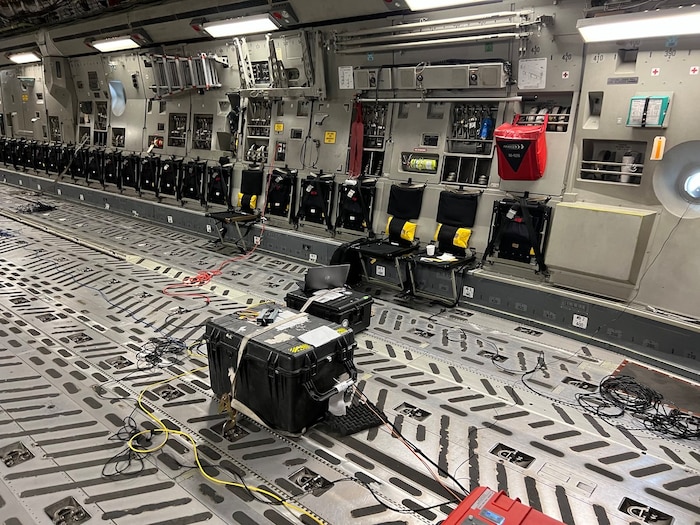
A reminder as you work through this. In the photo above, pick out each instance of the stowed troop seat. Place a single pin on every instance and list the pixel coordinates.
(435, 276)
(384, 260)
(281, 193)
(246, 212)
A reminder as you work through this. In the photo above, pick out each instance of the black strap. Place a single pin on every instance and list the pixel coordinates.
(529, 225)
(497, 234)
(527, 218)
(395, 229)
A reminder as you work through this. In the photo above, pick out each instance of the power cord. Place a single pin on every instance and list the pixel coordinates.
(121, 463)
(134, 446)
(620, 395)
(415, 450)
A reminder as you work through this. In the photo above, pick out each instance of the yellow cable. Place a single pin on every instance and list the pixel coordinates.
(193, 345)
(166, 431)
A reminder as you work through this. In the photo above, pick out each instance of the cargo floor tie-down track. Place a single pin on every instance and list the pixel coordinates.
(80, 297)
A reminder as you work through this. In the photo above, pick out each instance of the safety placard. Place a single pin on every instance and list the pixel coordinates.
(648, 111)
(329, 137)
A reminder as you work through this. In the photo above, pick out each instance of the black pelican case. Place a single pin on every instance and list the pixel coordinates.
(351, 310)
(285, 382)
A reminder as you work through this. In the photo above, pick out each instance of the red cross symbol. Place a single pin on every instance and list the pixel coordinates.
(565, 74)
(655, 71)
(694, 70)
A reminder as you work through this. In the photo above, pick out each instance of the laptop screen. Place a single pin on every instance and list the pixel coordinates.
(325, 277)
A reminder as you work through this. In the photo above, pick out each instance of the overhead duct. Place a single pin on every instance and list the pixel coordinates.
(504, 25)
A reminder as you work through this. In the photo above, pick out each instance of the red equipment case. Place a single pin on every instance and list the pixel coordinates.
(522, 149)
(485, 506)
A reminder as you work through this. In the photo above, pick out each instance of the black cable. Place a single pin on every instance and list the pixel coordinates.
(414, 448)
(302, 153)
(375, 495)
(541, 394)
(123, 460)
(157, 350)
(100, 389)
(252, 494)
(619, 395)
(35, 207)
(442, 311)
(627, 393)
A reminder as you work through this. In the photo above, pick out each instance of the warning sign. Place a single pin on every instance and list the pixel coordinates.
(329, 137)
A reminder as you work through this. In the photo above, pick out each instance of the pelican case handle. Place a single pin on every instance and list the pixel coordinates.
(311, 387)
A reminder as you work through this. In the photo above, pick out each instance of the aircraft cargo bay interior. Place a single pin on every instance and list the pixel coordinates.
(380, 262)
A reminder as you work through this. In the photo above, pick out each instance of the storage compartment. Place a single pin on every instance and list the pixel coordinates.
(619, 252)
(469, 145)
(613, 161)
(285, 381)
(349, 309)
(425, 163)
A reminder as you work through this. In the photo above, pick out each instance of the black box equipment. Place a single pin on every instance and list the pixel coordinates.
(348, 308)
(288, 370)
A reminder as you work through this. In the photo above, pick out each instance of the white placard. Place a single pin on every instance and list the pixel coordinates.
(319, 336)
(532, 73)
(346, 80)
(580, 321)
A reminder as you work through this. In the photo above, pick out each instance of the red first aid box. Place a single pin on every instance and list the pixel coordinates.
(522, 149)
(485, 506)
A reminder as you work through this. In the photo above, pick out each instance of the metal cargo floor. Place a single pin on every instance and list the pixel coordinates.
(80, 295)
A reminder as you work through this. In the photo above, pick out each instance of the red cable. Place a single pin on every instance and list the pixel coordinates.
(205, 276)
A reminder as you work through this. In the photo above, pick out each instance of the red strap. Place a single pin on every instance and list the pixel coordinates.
(357, 131)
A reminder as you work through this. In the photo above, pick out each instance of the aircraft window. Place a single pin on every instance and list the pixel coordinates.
(117, 96)
(677, 180)
(692, 186)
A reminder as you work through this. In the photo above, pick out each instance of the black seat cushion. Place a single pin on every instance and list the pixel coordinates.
(405, 201)
(385, 250)
(457, 209)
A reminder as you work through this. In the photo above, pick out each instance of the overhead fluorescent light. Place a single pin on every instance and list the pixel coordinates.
(248, 25)
(25, 57)
(137, 38)
(422, 5)
(648, 24)
(109, 45)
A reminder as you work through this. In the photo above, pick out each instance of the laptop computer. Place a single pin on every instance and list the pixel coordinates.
(326, 277)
